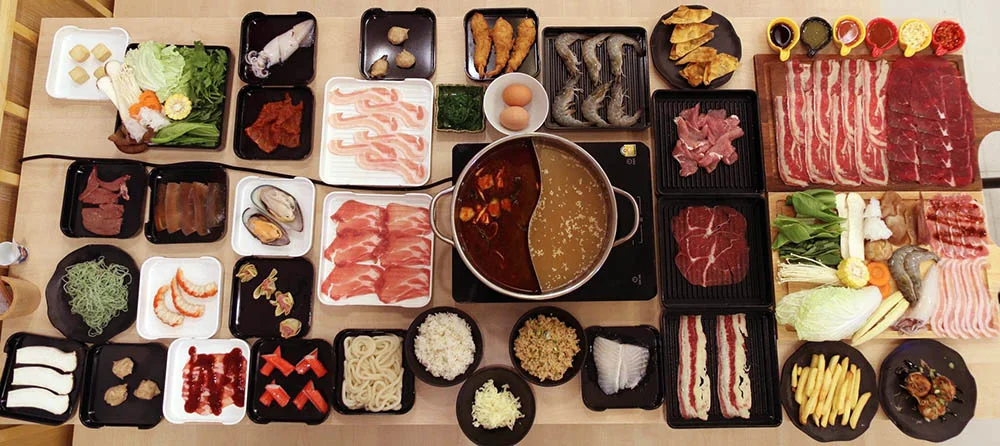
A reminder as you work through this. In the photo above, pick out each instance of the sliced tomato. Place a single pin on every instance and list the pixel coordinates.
(266, 399)
(286, 368)
(280, 396)
(301, 399)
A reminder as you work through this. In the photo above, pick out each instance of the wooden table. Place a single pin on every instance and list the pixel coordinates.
(80, 129)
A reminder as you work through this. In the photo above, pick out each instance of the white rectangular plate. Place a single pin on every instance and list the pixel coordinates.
(177, 358)
(58, 84)
(245, 244)
(157, 272)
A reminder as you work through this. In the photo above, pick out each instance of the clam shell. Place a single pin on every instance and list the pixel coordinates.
(264, 228)
(281, 206)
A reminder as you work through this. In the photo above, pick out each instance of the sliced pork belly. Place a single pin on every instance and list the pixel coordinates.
(733, 378)
(402, 220)
(694, 387)
(352, 280)
(402, 283)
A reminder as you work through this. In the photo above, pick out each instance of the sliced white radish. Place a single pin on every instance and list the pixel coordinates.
(43, 377)
(49, 356)
(38, 398)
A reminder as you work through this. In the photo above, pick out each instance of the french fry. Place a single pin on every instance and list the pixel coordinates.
(859, 408)
(826, 400)
(815, 361)
(846, 385)
(807, 409)
(795, 376)
(800, 391)
(828, 377)
(811, 382)
(847, 414)
(857, 388)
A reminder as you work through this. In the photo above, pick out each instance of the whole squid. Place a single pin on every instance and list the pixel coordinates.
(280, 48)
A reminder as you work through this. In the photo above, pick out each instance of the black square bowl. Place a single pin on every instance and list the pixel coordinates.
(648, 394)
(150, 362)
(409, 390)
(71, 220)
(254, 318)
(256, 32)
(292, 350)
(249, 102)
(185, 172)
(18, 340)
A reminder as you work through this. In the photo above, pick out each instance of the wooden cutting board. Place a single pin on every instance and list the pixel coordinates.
(769, 73)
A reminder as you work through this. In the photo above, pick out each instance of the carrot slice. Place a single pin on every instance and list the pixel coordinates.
(280, 396)
(266, 398)
(878, 273)
(885, 289)
(286, 368)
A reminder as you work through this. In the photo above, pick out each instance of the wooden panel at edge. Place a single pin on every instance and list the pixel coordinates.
(31, 12)
(22, 72)
(12, 144)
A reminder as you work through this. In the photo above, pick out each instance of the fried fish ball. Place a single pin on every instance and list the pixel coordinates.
(379, 68)
(122, 367)
(405, 59)
(397, 35)
(116, 395)
(147, 390)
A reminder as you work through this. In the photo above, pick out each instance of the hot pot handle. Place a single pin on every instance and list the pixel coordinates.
(434, 226)
(635, 211)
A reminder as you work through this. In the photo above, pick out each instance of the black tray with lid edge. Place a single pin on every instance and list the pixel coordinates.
(762, 359)
(409, 392)
(205, 172)
(745, 177)
(292, 350)
(629, 274)
(256, 31)
(150, 362)
(421, 42)
(22, 339)
(635, 72)
(249, 102)
(253, 318)
(648, 394)
(531, 64)
(71, 219)
(756, 290)
(726, 41)
(225, 102)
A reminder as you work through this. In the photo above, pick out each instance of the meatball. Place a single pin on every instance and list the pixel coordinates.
(122, 367)
(147, 390)
(944, 388)
(116, 395)
(931, 407)
(918, 385)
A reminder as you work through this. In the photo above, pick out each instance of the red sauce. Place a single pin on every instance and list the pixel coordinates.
(848, 32)
(949, 35)
(200, 375)
(880, 34)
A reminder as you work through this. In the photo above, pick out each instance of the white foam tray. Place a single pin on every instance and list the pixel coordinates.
(177, 358)
(58, 84)
(157, 272)
(339, 170)
(245, 244)
(331, 203)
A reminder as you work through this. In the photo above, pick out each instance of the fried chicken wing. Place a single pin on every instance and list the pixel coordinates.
(483, 42)
(503, 40)
(526, 33)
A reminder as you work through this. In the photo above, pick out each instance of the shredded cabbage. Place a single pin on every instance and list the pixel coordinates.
(827, 313)
(159, 68)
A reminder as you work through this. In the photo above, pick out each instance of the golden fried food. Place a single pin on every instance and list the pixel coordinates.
(483, 43)
(503, 40)
(682, 49)
(700, 55)
(522, 44)
(690, 31)
(545, 347)
(721, 65)
(694, 73)
(688, 15)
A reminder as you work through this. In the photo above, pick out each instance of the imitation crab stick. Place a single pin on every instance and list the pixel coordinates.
(286, 368)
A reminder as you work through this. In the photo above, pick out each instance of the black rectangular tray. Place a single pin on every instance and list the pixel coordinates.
(249, 102)
(762, 358)
(22, 339)
(409, 390)
(421, 41)
(292, 350)
(648, 394)
(71, 220)
(757, 288)
(150, 362)
(225, 102)
(257, 30)
(514, 16)
(187, 171)
(746, 175)
(635, 68)
(254, 318)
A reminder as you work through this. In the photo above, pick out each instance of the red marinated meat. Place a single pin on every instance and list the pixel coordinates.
(402, 283)
(406, 250)
(278, 124)
(712, 246)
(705, 139)
(407, 220)
(354, 215)
(213, 381)
(352, 280)
(354, 247)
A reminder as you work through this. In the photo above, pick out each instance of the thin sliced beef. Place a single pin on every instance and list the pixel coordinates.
(712, 247)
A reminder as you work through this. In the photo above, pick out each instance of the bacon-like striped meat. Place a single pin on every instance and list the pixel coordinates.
(409, 146)
(356, 216)
(375, 94)
(385, 159)
(354, 247)
(966, 310)
(956, 226)
(376, 122)
(791, 155)
(694, 392)
(352, 280)
(872, 131)
(412, 116)
(818, 162)
(733, 378)
(402, 283)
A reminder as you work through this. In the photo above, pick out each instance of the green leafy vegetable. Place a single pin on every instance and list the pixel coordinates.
(460, 108)
(827, 313)
(206, 73)
(814, 233)
(820, 204)
(185, 133)
(159, 68)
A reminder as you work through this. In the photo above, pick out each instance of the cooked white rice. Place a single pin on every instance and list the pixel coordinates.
(444, 345)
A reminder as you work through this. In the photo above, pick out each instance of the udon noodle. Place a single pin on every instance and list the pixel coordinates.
(373, 373)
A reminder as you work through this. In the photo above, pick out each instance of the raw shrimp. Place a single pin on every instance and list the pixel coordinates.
(594, 103)
(164, 314)
(203, 290)
(566, 54)
(562, 106)
(280, 48)
(181, 303)
(590, 56)
(616, 47)
(616, 111)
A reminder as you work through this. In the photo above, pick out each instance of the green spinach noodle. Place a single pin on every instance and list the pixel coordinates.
(98, 292)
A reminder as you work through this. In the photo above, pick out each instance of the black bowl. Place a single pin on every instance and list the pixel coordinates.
(500, 436)
(410, 355)
(567, 319)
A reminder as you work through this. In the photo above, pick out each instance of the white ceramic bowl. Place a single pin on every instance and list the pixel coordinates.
(538, 108)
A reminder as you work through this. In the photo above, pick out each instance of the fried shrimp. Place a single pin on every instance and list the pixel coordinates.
(503, 40)
(522, 44)
(483, 42)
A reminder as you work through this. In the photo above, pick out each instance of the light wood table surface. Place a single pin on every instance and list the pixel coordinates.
(80, 129)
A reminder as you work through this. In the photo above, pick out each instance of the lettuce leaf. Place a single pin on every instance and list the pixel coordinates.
(159, 68)
(827, 313)
(189, 134)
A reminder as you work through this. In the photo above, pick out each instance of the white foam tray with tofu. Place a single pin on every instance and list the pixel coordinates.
(385, 260)
(199, 274)
(58, 83)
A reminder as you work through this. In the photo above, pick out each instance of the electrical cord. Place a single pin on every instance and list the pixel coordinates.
(247, 170)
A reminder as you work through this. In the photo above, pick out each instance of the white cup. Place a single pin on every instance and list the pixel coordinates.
(12, 253)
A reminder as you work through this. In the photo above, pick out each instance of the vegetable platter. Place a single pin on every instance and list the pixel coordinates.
(856, 305)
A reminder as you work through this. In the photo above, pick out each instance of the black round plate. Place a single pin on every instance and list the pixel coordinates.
(410, 355)
(726, 41)
(500, 436)
(834, 432)
(567, 319)
(900, 407)
(72, 325)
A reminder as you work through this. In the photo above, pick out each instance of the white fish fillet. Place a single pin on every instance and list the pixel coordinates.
(50, 356)
(43, 377)
(619, 366)
(39, 399)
